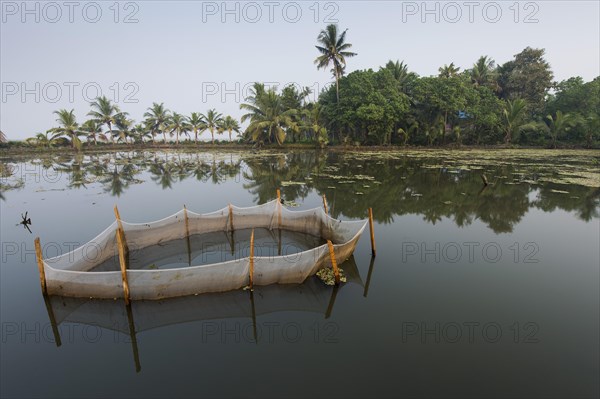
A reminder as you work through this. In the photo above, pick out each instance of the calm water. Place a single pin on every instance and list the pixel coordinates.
(475, 291)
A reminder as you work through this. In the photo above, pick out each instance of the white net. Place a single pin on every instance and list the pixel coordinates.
(171, 257)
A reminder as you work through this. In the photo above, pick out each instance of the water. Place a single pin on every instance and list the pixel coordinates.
(475, 291)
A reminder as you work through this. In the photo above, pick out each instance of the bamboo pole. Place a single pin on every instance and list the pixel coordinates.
(230, 217)
(123, 254)
(336, 271)
(279, 208)
(40, 263)
(187, 234)
(120, 225)
(372, 228)
(123, 262)
(325, 204)
(118, 218)
(187, 222)
(252, 259)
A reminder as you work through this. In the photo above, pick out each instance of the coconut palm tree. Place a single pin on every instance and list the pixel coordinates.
(592, 129)
(268, 117)
(195, 123)
(123, 131)
(106, 113)
(560, 124)
(92, 130)
(229, 124)
(400, 72)
(157, 117)
(514, 114)
(68, 128)
(139, 133)
(212, 120)
(448, 71)
(483, 73)
(333, 51)
(312, 123)
(177, 125)
(41, 139)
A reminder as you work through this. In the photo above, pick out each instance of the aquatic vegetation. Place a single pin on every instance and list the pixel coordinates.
(327, 276)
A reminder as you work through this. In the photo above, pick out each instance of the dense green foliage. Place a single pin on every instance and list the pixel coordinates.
(513, 103)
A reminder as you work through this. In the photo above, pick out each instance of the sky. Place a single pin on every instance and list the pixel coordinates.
(198, 55)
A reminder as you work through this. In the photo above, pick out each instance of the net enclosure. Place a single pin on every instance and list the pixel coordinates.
(79, 273)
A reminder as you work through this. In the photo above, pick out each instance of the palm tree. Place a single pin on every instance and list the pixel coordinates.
(448, 71)
(41, 139)
(514, 113)
(212, 120)
(268, 117)
(2, 137)
(333, 51)
(92, 129)
(139, 133)
(68, 127)
(195, 123)
(105, 113)
(560, 124)
(312, 123)
(157, 118)
(483, 73)
(123, 128)
(592, 129)
(400, 72)
(230, 124)
(177, 125)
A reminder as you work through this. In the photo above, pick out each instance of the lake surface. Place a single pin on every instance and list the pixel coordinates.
(476, 291)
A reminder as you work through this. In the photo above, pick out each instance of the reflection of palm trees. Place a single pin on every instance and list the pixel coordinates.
(117, 181)
(264, 175)
(393, 186)
(76, 169)
(163, 173)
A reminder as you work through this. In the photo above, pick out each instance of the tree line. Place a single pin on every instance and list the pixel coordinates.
(487, 104)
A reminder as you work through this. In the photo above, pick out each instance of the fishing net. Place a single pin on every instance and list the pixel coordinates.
(182, 254)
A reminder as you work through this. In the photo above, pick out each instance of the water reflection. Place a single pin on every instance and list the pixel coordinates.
(130, 320)
(394, 185)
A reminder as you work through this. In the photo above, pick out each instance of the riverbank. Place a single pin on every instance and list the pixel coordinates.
(103, 148)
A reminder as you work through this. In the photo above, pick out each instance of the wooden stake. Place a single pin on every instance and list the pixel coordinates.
(118, 218)
(252, 259)
(325, 204)
(120, 226)
(279, 208)
(40, 262)
(372, 228)
(123, 255)
(230, 217)
(336, 271)
(187, 235)
(187, 222)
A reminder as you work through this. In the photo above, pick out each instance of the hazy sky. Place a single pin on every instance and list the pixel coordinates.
(195, 55)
